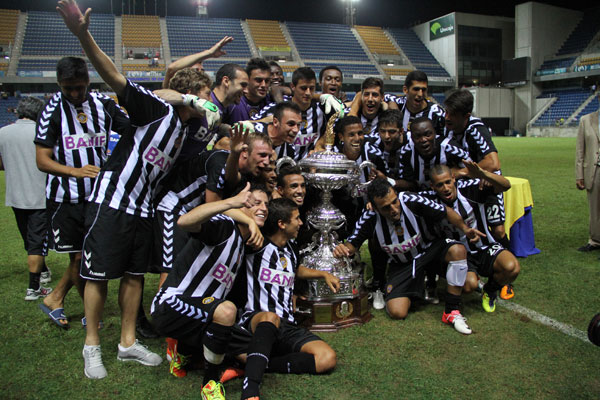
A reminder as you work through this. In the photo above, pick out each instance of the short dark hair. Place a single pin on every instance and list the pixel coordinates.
(254, 186)
(459, 101)
(439, 169)
(305, 73)
(415, 76)
(72, 68)
(274, 64)
(30, 108)
(327, 68)
(286, 105)
(285, 171)
(372, 82)
(420, 120)
(279, 210)
(257, 63)
(227, 70)
(379, 188)
(390, 117)
(341, 124)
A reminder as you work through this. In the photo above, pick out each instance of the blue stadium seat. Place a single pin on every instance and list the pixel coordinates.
(418, 54)
(568, 100)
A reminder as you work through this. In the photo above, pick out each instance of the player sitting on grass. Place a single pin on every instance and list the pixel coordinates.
(468, 198)
(277, 341)
(191, 305)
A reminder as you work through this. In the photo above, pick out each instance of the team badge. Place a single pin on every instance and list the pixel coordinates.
(399, 230)
(283, 262)
(252, 112)
(303, 124)
(208, 300)
(82, 118)
(389, 289)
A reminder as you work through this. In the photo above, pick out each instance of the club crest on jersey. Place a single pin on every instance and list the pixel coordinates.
(283, 262)
(389, 288)
(403, 247)
(252, 112)
(84, 141)
(156, 157)
(224, 275)
(399, 230)
(208, 300)
(276, 277)
(82, 118)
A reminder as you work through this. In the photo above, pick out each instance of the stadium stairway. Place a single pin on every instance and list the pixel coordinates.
(588, 106)
(567, 105)
(367, 51)
(288, 38)
(18, 44)
(118, 41)
(249, 38)
(164, 35)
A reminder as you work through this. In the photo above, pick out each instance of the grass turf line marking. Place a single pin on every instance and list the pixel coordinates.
(544, 320)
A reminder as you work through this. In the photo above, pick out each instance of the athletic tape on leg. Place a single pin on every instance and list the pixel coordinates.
(456, 274)
(212, 357)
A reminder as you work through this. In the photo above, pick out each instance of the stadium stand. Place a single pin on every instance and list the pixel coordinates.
(188, 35)
(143, 67)
(309, 40)
(267, 33)
(559, 63)
(375, 39)
(418, 54)
(389, 71)
(589, 61)
(592, 106)
(142, 31)
(47, 35)
(583, 33)
(6, 115)
(42, 65)
(347, 69)
(8, 26)
(568, 100)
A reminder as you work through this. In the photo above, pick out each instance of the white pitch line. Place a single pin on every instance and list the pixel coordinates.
(544, 320)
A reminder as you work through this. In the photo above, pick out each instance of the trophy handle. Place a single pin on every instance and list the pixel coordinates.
(284, 161)
(361, 187)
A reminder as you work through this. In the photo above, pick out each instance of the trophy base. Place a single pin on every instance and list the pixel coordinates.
(333, 315)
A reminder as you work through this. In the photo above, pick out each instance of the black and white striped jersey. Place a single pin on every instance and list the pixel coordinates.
(271, 272)
(435, 112)
(414, 168)
(208, 264)
(313, 126)
(283, 150)
(470, 205)
(406, 239)
(78, 136)
(143, 156)
(476, 139)
(185, 186)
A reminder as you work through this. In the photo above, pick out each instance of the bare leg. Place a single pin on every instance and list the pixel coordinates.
(130, 292)
(325, 358)
(93, 302)
(398, 307)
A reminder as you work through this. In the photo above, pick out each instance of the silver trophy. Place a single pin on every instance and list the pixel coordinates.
(328, 171)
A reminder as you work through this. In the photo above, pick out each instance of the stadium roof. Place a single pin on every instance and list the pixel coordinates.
(393, 13)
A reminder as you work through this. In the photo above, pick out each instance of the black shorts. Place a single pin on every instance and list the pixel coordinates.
(406, 280)
(116, 243)
(66, 222)
(291, 337)
(186, 318)
(33, 226)
(494, 210)
(482, 261)
(169, 239)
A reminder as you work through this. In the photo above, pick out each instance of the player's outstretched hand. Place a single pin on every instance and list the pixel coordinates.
(256, 238)
(87, 171)
(217, 50)
(76, 22)
(473, 234)
(238, 139)
(332, 103)
(474, 170)
(332, 281)
(341, 251)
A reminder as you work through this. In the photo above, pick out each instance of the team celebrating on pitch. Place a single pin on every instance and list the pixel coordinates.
(192, 191)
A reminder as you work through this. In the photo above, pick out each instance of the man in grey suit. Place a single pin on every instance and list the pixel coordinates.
(587, 173)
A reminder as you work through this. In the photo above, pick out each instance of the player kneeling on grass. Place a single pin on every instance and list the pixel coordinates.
(400, 223)
(485, 257)
(190, 306)
(277, 341)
